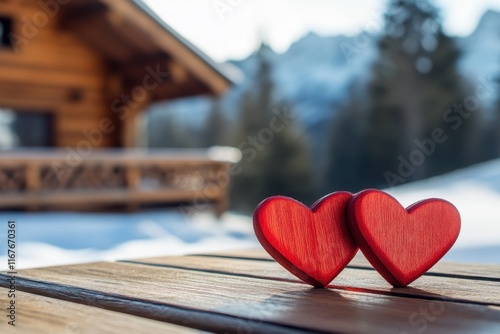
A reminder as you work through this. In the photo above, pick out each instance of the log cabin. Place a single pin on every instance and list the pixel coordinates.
(75, 76)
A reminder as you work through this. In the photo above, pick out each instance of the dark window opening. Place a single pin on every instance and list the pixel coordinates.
(25, 129)
(5, 31)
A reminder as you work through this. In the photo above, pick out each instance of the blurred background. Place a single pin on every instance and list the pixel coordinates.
(324, 96)
(368, 85)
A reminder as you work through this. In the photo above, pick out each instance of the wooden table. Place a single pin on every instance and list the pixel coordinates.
(247, 292)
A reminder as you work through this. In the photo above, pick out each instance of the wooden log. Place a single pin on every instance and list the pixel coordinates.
(41, 76)
(109, 43)
(57, 57)
(41, 92)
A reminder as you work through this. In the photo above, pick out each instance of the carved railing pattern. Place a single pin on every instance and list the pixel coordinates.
(87, 176)
(13, 178)
(40, 176)
(181, 177)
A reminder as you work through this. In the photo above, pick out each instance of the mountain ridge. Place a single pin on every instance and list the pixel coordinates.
(316, 73)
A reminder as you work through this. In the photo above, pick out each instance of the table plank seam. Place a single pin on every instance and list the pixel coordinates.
(113, 301)
(211, 271)
(336, 287)
(435, 274)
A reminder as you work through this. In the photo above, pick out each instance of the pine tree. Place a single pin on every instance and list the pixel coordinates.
(215, 131)
(494, 137)
(343, 170)
(414, 84)
(164, 130)
(276, 158)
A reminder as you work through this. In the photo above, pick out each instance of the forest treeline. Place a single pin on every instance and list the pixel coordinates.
(413, 117)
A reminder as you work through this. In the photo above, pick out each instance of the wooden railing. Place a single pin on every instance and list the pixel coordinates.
(69, 179)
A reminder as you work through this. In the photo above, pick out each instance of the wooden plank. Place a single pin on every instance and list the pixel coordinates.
(40, 75)
(101, 197)
(55, 62)
(96, 32)
(41, 315)
(32, 177)
(135, 37)
(129, 130)
(14, 102)
(20, 8)
(221, 302)
(69, 113)
(50, 98)
(65, 125)
(53, 93)
(59, 54)
(452, 289)
(90, 109)
(73, 139)
(442, 268)
(62, 45)
(184, 158)
(448, 269)
(74, 136)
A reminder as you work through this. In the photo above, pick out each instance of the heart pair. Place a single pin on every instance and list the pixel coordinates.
(316, 244)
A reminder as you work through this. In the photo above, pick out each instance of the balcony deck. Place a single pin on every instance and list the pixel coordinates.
(100, 179)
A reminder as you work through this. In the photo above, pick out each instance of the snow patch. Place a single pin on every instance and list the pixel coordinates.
(60, 238)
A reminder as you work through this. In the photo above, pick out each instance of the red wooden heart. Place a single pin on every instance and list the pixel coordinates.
(313, 244)
(402, 244)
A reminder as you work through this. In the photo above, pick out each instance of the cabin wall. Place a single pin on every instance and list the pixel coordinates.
(51, 70)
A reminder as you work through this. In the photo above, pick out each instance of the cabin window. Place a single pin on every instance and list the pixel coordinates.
(5, 30)
(25, 129)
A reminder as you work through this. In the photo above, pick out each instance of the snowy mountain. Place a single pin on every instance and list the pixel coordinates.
(481, 54)
(316, 72)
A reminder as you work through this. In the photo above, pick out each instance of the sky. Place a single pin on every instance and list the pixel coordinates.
(232, 29)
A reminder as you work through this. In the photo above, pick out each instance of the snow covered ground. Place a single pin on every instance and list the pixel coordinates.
(475, 191)
(55, 238)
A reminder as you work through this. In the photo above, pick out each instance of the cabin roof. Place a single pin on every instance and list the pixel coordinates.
(131, 36)
(227, 71)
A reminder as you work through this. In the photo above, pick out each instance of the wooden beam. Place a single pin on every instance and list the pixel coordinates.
(110, 32)
(170, 44)
(138, 68)
(129, 32)
(96, 31)
(130, 124)
(172, 89)
(81, 10)
(27, 75)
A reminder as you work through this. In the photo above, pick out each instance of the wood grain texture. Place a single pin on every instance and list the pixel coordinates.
(313, 244)
(402, 244)
(485, 292)
(75, 48)
(221, 303)
(42, 315)
(442, 268)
